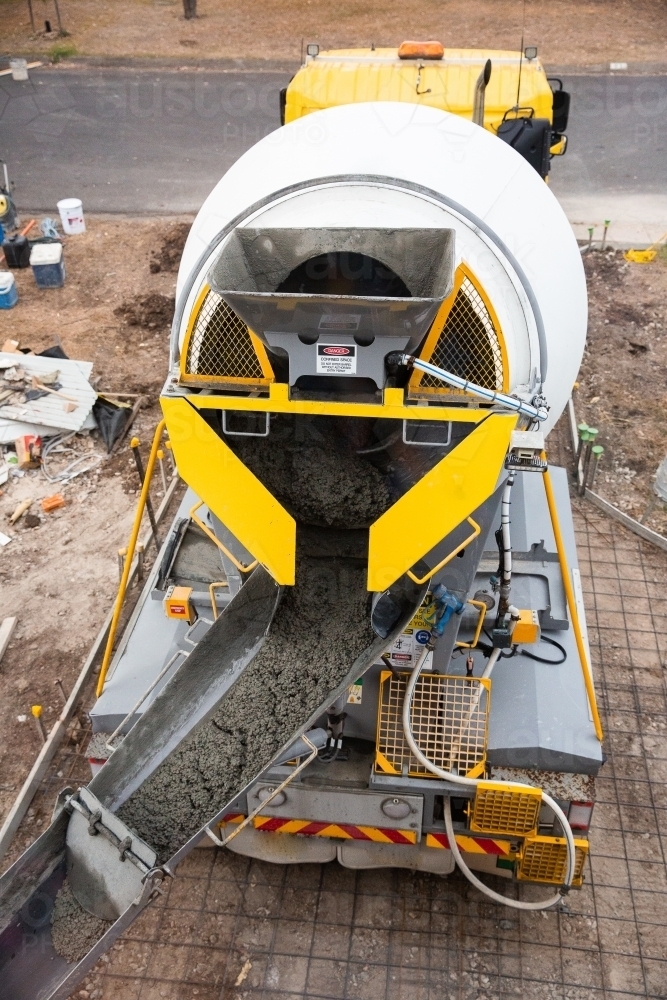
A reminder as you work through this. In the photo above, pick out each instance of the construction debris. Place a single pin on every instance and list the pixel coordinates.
(32, 393)
(53, 503)
(113, 418)
(28, 450)
(20, 511)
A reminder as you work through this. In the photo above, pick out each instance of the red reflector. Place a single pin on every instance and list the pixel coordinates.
(579, 815)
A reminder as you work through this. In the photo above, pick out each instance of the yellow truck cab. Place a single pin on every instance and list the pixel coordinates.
(507, 92)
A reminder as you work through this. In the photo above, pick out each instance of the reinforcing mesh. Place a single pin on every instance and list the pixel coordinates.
(449, 723)
(468, 345)
(220, 343)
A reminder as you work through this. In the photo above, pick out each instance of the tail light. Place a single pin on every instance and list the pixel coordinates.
(579, 815)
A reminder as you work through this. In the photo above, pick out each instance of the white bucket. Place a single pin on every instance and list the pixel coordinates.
(71, 216)
(19, 68)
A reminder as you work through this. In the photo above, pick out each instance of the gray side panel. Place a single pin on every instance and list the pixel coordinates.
(540, 716)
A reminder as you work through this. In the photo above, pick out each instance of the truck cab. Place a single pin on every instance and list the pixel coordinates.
(506, 92)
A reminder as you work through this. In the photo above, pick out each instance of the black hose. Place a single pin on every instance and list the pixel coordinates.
(541, 659)
(486, 650)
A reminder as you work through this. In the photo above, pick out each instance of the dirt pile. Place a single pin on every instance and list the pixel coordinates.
(168, 257)
(74, 931)
(623, 377)
(151, 312)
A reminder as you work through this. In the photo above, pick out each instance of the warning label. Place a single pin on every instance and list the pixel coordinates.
(407, 647)
(354, 692)
(336, 359)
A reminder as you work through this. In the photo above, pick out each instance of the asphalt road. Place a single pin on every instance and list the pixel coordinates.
(135, 141)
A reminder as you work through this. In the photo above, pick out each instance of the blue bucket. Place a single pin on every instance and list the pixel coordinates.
(8, 293)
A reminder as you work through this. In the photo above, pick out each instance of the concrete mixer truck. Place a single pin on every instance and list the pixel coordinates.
(363, 638)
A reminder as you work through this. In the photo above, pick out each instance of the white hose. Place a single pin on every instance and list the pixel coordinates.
(516, 904)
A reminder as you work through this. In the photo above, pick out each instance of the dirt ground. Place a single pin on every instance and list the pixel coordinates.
(567, 32)
(623, 379)
(60, 577)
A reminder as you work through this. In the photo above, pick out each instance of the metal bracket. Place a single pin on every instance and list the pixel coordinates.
(93, 820)
(101, 881)
(423, 425)
(152, 884)
(264, 433)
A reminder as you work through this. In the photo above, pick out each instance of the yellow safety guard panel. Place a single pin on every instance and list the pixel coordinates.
(231, 491)
(445, 497)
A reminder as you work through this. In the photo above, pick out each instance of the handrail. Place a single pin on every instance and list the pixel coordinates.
(265, 802)
(209, 534)
(131, 545)
(462, 545)
(211, 592)
(168, 665)
(571, 602)
(480, 623)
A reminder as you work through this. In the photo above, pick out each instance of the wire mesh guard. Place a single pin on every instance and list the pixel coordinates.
(449, 721)
(544, 859)
(220, 344)
(501, 810)
(469, 345)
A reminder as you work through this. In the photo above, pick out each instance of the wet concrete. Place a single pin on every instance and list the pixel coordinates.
(312, 468)
(74, 931)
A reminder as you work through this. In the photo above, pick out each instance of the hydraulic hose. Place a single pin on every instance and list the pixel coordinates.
(505, 526)
(516, 904)
(505, 546)
(537, 412)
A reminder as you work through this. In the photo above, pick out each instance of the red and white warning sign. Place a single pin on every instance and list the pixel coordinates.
(336, 359)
